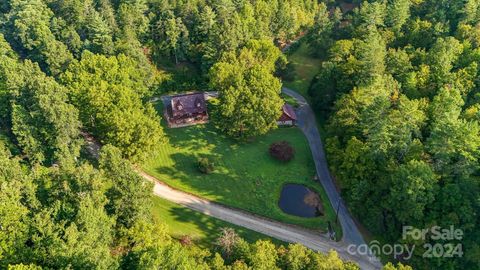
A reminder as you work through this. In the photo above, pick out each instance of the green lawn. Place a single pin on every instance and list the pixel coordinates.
(245, 176)
(203, 229)
(305, 66)
(290, 100)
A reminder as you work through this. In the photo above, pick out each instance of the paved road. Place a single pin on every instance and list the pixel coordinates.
(285, 232)
(307, 123)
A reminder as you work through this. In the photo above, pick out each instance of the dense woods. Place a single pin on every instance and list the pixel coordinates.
(75, 67)
(399, 86)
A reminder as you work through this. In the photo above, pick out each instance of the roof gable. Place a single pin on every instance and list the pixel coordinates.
(288, 111)
(188, 104)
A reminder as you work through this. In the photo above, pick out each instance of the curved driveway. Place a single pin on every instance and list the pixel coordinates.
(275, 229)
(307, 123)
(289, 233)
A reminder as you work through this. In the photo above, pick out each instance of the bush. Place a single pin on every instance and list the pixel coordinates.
(282, 151)
(205, 165)
(186, 240)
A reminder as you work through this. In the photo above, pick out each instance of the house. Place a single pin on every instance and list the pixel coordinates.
(288, 117)
(186, 109)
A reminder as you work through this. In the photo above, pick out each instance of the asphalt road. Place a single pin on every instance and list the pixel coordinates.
(307, 123)
(288, 233)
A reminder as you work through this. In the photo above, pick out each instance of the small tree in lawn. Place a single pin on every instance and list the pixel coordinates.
(186, 240)
(227, 240)
(205, 165)
(282, 151)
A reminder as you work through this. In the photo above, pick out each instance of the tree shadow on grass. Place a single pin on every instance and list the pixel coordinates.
(185, 170)
(193, 138)
(210, 226)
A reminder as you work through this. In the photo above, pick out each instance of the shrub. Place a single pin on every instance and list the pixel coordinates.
(227, 240)
(282, 151)
(186, 240)
(205, 165)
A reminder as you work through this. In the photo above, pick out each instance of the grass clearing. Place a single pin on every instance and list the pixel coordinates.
(203, 229)
(306, 67)
(245, 175)
(290, 100)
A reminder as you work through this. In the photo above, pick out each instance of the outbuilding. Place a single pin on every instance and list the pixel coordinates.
(288, 117)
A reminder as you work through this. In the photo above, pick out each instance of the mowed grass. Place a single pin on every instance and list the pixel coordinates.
(290, 100)
(203, 229)
(306, 67)
(245, 175)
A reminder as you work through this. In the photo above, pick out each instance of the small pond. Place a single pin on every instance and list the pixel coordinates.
(298, 200)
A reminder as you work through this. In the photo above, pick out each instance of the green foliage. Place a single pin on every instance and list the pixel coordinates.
(398, 13)
(108, 92)
(72, 64)
(13, 213)
(129, 196)
(171, 36)
(203, 32)
(403, 135)
(36, 109)
(45, 125)
(205, 165)
(320, 36)
(250, 101)
(29, 25)
(264, 256)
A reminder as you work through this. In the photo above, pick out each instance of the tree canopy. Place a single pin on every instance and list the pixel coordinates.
(108, 92)
(398, 89)
(250, 102)
(71, 70)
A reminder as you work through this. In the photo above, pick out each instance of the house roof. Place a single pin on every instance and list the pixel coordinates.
(188, 104)
(288, 113)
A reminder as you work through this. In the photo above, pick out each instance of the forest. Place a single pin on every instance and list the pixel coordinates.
(398, 90)
(70, 69)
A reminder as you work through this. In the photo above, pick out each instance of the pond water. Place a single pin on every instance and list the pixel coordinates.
(298, 200)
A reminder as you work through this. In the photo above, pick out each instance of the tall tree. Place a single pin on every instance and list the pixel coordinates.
(250, 103)
(129, 196)
(108, 92)
(45, 124)
(29, 26)
(14, 213)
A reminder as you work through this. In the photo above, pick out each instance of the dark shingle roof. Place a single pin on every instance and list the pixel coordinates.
(188, 104)
(288, 112)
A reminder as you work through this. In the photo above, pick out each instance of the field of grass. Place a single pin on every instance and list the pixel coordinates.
(245, 175)
(290, 100)
(305, 66)
(203, 229)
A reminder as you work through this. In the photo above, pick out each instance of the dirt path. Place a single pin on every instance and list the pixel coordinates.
(275, 229)
(284, 232)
